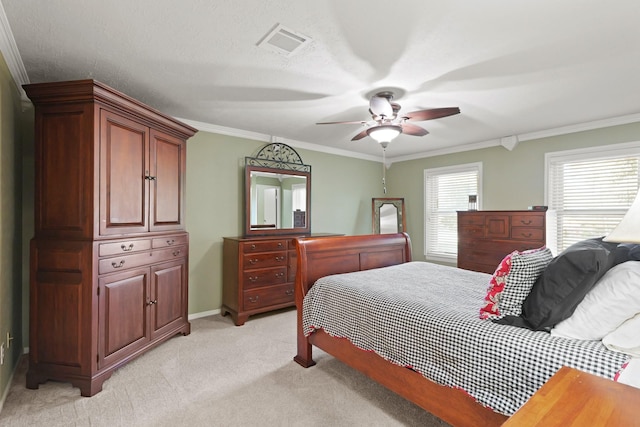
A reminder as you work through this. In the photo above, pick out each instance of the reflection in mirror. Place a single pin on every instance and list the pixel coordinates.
(278, 200)
(388, 218)
(388, 215)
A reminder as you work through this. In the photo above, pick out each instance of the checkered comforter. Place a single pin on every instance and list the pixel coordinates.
(426, 316)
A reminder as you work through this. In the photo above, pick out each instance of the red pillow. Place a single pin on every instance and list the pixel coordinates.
(496, 286)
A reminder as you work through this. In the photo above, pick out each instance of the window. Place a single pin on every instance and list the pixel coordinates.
(591, 189)
(447, 191)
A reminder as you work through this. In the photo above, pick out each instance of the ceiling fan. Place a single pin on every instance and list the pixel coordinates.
(386, 123)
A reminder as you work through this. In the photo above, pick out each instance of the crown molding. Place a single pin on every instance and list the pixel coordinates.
(580, 127)
(11, 54)
(240, 133)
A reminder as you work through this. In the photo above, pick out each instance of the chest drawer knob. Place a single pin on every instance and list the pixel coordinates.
(289, 292)
(253, 260)
(527, 222)
(176, 252)
(253, 247)
(254, 299)
(527, 235)
(279, 258)
(170, 242)
(279, 275)
(253, 278)
(127, 248)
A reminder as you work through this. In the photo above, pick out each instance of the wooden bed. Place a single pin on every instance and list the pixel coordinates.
(318, 257)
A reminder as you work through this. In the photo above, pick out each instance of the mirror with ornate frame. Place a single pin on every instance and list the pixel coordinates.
(277, 192)
(388, 215)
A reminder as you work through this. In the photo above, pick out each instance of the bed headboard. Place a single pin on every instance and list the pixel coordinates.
(322, 256)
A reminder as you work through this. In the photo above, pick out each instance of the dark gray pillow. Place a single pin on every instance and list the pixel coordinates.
(565, 282)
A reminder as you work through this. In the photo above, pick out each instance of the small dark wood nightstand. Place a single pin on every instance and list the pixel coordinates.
(575, 398)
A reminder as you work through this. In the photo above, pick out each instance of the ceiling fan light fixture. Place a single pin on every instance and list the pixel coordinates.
(384, 133)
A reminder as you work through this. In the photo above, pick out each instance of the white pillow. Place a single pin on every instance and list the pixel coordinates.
(625, 339)
(613, 299)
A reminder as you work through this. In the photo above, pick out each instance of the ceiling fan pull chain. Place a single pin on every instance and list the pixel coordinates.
(384, 171)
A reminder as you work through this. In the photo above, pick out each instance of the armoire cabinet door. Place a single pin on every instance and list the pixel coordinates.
(168, 163)
(124, 175)
(123, 319)
(169, 296)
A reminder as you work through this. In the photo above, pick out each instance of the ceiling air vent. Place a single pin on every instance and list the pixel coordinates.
(284, 41)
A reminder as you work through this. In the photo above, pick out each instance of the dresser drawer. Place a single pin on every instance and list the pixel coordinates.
(264, 297)
(527, 233)
(264, 277)
(471, 219)
(123, 247)
(167, 241)
(470, 232)
(527, 220)
(264, 246)
(113, 264)
(264, 260)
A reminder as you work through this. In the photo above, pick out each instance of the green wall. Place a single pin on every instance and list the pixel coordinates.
(511, 179)
(341, 192)
(10, 227)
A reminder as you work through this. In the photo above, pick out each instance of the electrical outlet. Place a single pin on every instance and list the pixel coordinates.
(2, 354)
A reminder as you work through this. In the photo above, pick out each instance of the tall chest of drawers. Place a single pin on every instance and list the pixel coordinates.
(486, 237)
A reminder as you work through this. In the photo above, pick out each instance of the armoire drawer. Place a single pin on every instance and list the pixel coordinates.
(272, 295)
(124, 247)
(113, 264)
(166, 241)
(264, 277)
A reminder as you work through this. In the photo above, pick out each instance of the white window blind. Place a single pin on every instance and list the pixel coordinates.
(447, 191)
(590, 191)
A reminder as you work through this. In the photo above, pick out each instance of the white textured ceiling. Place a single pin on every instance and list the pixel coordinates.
(513, 67)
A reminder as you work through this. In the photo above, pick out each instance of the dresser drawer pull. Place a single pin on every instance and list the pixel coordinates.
(253, 278)
(170, 242)
(127, 249)
(279, 275)
(527, 235)
(119, 265)
(279, 244)
(253, 261)
(527, 222)
(155, 301)
(254, 299)
(177, 252)
(289, 292)
(279, 258)
(253, 247)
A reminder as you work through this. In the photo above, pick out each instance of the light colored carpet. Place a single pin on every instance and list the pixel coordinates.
(220, 375)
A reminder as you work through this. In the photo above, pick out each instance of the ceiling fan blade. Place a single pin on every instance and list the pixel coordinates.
(409, 129)
(362, 122)
(380, 106)
(433, 113)
(360, 135)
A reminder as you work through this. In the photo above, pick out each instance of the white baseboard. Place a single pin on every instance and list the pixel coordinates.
(203, 314)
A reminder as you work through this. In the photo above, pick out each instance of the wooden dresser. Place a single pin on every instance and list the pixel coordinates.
(109, 259)
(486, 237)
(258, 275)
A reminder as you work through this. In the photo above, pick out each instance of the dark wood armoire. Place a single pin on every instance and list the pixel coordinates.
(109, 259)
